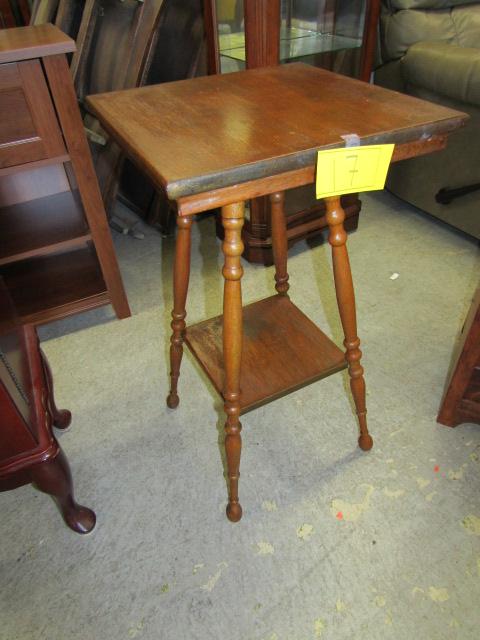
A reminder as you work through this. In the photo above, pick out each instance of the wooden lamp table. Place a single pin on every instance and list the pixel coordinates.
(218, 141)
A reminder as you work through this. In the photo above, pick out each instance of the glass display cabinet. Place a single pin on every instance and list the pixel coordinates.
(339, 35)
(319, 32)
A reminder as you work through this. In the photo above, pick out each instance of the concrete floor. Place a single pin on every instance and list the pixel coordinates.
(334, 543)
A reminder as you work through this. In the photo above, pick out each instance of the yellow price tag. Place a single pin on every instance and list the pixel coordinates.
(352, 169)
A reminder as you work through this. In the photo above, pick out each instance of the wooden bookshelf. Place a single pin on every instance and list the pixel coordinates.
(54, 286)
(56, 252)
(47, 225)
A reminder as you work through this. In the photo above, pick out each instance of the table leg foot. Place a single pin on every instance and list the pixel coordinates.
(173, 400)
(54, 477)
(346, 306)
(365, 442)
(234, 511)
(181, 275)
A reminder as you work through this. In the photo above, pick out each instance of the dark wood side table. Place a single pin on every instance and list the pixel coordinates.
(195, 139)
(461, 400)
(29, 452)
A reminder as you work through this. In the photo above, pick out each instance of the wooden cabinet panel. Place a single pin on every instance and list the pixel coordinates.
(29, 129)
(29, 452)
(15, 436)
(17, 414)
(461, 401)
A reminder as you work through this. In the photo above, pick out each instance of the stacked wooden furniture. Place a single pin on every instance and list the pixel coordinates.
(122, 45)
(176, 51)
(56, 252)
(70, 16)
(46, 10)
(461, 401)
(14, 13)
(29, 452)
(116, 40)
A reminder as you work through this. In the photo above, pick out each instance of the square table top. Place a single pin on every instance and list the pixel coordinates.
(192, 136)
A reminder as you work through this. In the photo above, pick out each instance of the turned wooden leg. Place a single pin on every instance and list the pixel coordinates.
(54, 477)
(232, 220)
(279, 241)
(346, 305)
(61, 418)
(181, 274)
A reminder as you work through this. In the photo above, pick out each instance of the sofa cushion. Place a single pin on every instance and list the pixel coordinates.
(467, 25)
(404, 28)
(399, 30)
(427, 4)
(443, 69)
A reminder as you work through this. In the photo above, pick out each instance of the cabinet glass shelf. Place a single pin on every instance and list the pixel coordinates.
(338, 35)
(306, 30)
(294, 43)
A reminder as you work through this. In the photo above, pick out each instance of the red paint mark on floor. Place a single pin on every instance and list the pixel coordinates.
(436, 468)
(339, 515)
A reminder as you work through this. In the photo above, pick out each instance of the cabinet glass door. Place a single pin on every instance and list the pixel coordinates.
(324, 33)
(314, 31)
(231, 35)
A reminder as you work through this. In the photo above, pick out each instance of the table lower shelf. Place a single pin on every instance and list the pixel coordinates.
(282, 351)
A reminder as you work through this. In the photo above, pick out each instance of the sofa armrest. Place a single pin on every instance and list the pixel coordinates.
(444, 69)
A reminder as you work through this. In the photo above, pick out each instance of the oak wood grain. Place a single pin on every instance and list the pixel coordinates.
(271, 364)
(197, 135)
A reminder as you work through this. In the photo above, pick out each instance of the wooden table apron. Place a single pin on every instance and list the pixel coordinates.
(217, 116)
